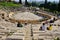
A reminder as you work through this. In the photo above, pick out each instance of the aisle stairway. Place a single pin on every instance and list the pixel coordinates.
(28, 32)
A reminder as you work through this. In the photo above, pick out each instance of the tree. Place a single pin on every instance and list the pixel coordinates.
(20, 1)
(0, 0)
(59, 1)
(8, 0)
(26, 2)
(45, 3)
(59, 6)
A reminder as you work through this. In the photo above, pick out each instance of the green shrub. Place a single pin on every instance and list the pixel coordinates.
(10, 4)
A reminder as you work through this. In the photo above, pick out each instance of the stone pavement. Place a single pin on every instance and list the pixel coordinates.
(10, 31)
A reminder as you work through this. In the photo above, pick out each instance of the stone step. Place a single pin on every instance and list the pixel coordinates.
(37, 32)
(28, 38)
